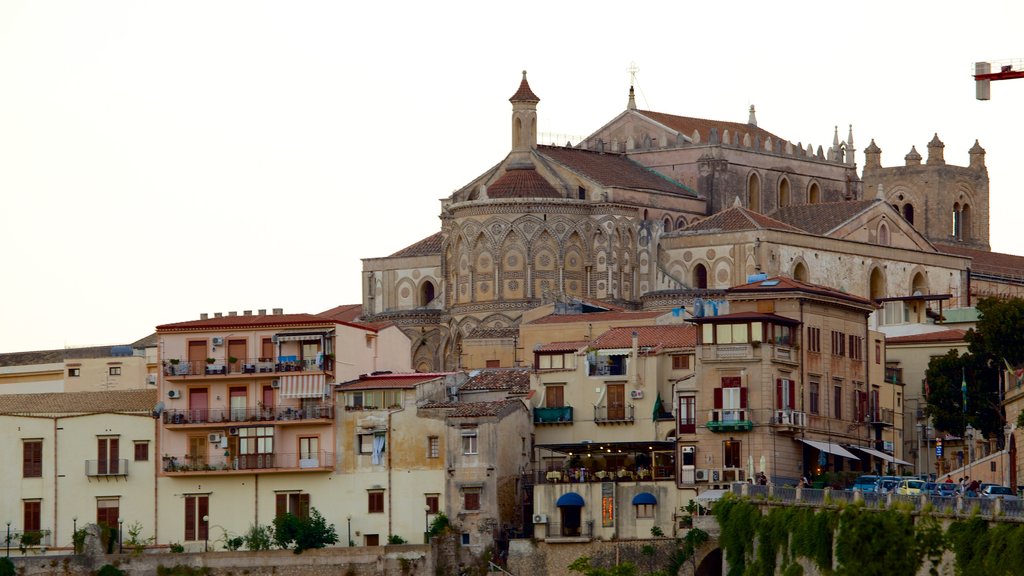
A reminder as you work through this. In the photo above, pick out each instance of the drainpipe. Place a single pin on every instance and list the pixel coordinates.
(388, 450)
(56, 480)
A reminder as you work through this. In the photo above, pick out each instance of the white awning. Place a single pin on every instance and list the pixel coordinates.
(294, 337)
(303, 386)
(615, 352)
(882, 455)
(829, 447)
(711, 495)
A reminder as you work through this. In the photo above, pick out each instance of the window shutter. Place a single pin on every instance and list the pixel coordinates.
(115, 455)
(778, 392)
(282, 505)
(204, 509)
(190, 518)
(792, 394)
(718, 398)
(303, 506)
(101, 452)
(743, 397)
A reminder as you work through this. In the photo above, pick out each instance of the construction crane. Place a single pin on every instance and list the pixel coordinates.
(983, 75)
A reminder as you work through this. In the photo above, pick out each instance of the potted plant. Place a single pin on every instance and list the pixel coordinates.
(211, 360)
(232, 359)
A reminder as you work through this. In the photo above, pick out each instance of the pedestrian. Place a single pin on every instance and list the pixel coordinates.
(804, 483)
(972, 489)
(762, 479)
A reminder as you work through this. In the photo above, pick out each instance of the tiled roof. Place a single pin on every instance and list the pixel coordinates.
(786, 284)
(428, 246)
(598, 317)
(515, 380)
(674, 336)
(521, 183)
(745, 317)
(58, 356)
(147, 342)
(349, 314)
(475, 409)
(687, 125)
(379, 381)
(736, 219)
(821, 218)
(254, 321)
(570, 346)
(481, 332)
(994, 263)
(953, 335)
(143, 400)
(613, 170)
(524, 94)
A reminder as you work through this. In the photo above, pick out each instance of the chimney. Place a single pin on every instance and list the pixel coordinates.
(278, 311)
(247, 313)
(262, 311)
(204, 316)
(233, 313)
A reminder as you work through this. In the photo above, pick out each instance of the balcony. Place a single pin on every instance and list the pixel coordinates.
(894, 375)
(789, 420)
(561, 415)
(217, 464)
(175, 368)
(107, 468)
(881, 417)
(27, 539)
(613, 414)
(729, 420)
(220, 416)
(727, 352)
(613, 369)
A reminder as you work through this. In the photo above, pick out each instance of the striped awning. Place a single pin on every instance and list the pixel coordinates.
(303, 386)
(305, 336)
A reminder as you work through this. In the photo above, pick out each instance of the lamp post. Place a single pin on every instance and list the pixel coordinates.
(349, 518)
(120, 536)
(426, 524)
(206, 534)
(8, 538)
(74, 533)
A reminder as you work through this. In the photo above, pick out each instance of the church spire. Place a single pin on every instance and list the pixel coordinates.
(631, 105)
(524, 122)
(752, 119)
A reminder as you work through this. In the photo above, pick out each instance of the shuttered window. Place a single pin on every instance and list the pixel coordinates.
(32, 459)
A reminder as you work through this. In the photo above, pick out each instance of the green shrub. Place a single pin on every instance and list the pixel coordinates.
(6, 567)
(305, 533)
(258, 537)
(396, 539)
(176, 548)
(108, 570)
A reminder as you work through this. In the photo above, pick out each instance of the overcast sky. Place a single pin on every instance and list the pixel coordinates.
(163, 159)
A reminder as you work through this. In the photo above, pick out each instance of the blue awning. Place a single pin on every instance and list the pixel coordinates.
(644, 498)
(570, 499)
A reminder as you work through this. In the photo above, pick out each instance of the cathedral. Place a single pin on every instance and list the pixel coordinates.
(658, 211)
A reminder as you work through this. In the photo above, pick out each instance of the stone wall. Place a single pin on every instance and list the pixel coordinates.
(553, 559)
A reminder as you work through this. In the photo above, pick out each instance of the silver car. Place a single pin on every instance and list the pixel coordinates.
(997, 491)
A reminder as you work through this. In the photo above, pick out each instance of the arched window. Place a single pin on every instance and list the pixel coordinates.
(908, 212)
(883, 234)
(957, 222)
(783, 192)
(800, 272)
(919, 285)
(680, 223)
(877, 284)
(965, 222)
(668, 224)
(754, 193)
(426, 293)
(814, 194)
(700, 276)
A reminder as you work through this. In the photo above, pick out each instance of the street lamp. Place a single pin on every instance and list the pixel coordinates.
(74, 532)
(120, 536)
(8, 538)
(349, 518)
(426, 524)
(206, 534)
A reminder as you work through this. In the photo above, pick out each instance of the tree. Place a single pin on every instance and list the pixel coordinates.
(305, 533)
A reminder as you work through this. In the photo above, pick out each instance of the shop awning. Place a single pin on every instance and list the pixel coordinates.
(570, 499)
(644, 498)
(711, 496)
(829, 447)
(304, 386)
(882, 455)
(298, 337)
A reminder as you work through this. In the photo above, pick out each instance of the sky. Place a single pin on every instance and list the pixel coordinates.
(159, 160)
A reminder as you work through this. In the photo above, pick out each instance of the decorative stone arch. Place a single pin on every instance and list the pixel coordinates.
(528, 226)
(876, 283)
(574, 259)
(667, 223)
(680, 223)
(513, 266)
(813, 192)
(406, 292)
(883, 234)
(699, 276)
(800, 270)
(544, 264)
(784, 196)
(483, 270)
(723, 273)
(908, 212)
(496, 228)
(919, 281)
(427, 291)
(496, 320)
(754, 191)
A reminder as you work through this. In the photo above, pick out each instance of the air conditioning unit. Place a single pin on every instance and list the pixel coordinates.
(173, 394)
(540, 518)
(214, 438)
(150, 378)
(636, 394)
(233, 431)
(217, 341)
(275, 383)
(701, 475)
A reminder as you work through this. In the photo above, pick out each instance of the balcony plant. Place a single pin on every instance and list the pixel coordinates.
(232, 359)
(211, 360)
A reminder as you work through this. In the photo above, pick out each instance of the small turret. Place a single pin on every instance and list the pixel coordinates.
(872, 156)
(935, 153)
(913, 158)
(524, 122)
(631, 105)
(752, 119)
(977, 156)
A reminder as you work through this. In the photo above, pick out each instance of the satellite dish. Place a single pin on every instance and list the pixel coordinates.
(158, 409)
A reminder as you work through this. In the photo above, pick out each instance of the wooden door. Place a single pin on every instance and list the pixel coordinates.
(196, 357)
(108, 454)
(238, 403)
(197, 455)
(198, 404)
(267, 409)
(616, 401)
(237, 349)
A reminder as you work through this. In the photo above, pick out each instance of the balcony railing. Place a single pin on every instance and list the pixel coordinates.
(224, 366)
(243, 415)
(608, 414)
(25, 539)
(116, 467)
(894, 375)
(246, 462)
(562, 415)
(607, 370)
(729, 351)
(881, 416)
(729, 420)
(556, 530)
(791, 418)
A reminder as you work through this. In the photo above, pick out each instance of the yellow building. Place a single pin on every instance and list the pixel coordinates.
(120, 367)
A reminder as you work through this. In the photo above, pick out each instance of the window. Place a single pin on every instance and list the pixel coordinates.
(782, 335)
(465, 538)
(838, 343)
(687, 414)
(371, 539)
(814, 392)
(645, 510)
(375, 399)
(878, 352)
(493, 364)
(197, 507)
(375, 501)
(433, 447)
(141, 451)
(309, 451)
(860, 406)
(554, 396)
(731, 399)
(856, 347)
(837, 408)
(471, 499)
(32, 459)
(115, 370)
(680, 362)
(374, 444)
(731, 455)
(294, 503)
(469, 440)
(813, 339)
(433, 503)
(74, 372)
(108, 455)
(255, 447)
(32, 515)
(550, 361)
(785, 394)
(581, 193)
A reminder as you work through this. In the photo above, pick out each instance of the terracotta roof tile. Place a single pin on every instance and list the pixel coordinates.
(524, 94)
(120, 401)
(736, 219)
(821, 218)
(953, 335)
(58, 356)
(475, 409)
(349, 314)
(381, 381)
(521, 183)
(255, 321)
(515, 380)
(674, 336)
(993, 263)
(429, 246)
(613, 170)
(686, 125)
(786, 284)
(598, 317)
(569, 346)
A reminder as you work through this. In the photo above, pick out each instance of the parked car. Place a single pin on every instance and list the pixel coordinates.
(910, 486)
(997, 491)
(944, 489)
(886, 484)
(865, 483)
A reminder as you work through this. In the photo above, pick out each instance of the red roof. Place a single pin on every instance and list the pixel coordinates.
(737, 219)
(952, 335)
(253, 321)
(614, 170)
(521, 183)
(349, 314)
(379, 381)
(515, 380)
(993, 263)
(570, 346)
(824, 217)
(524, 94)
(598, 317)
(745, 317)
(686, 125)
(786, 284)
(475, 409)
(672, 336)
(429, 246)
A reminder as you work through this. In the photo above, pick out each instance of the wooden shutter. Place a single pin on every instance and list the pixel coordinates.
(282, 505)
(101, 452)
(778, 393)
(32, 516)
(792, 394)
(718, 398)
(114, 455)
(743, 397)
(190, 518)
(32, 459)
(303, 510)
(204, 509)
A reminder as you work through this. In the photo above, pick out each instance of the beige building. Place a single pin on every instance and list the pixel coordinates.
(75, 458)
(122, 367)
